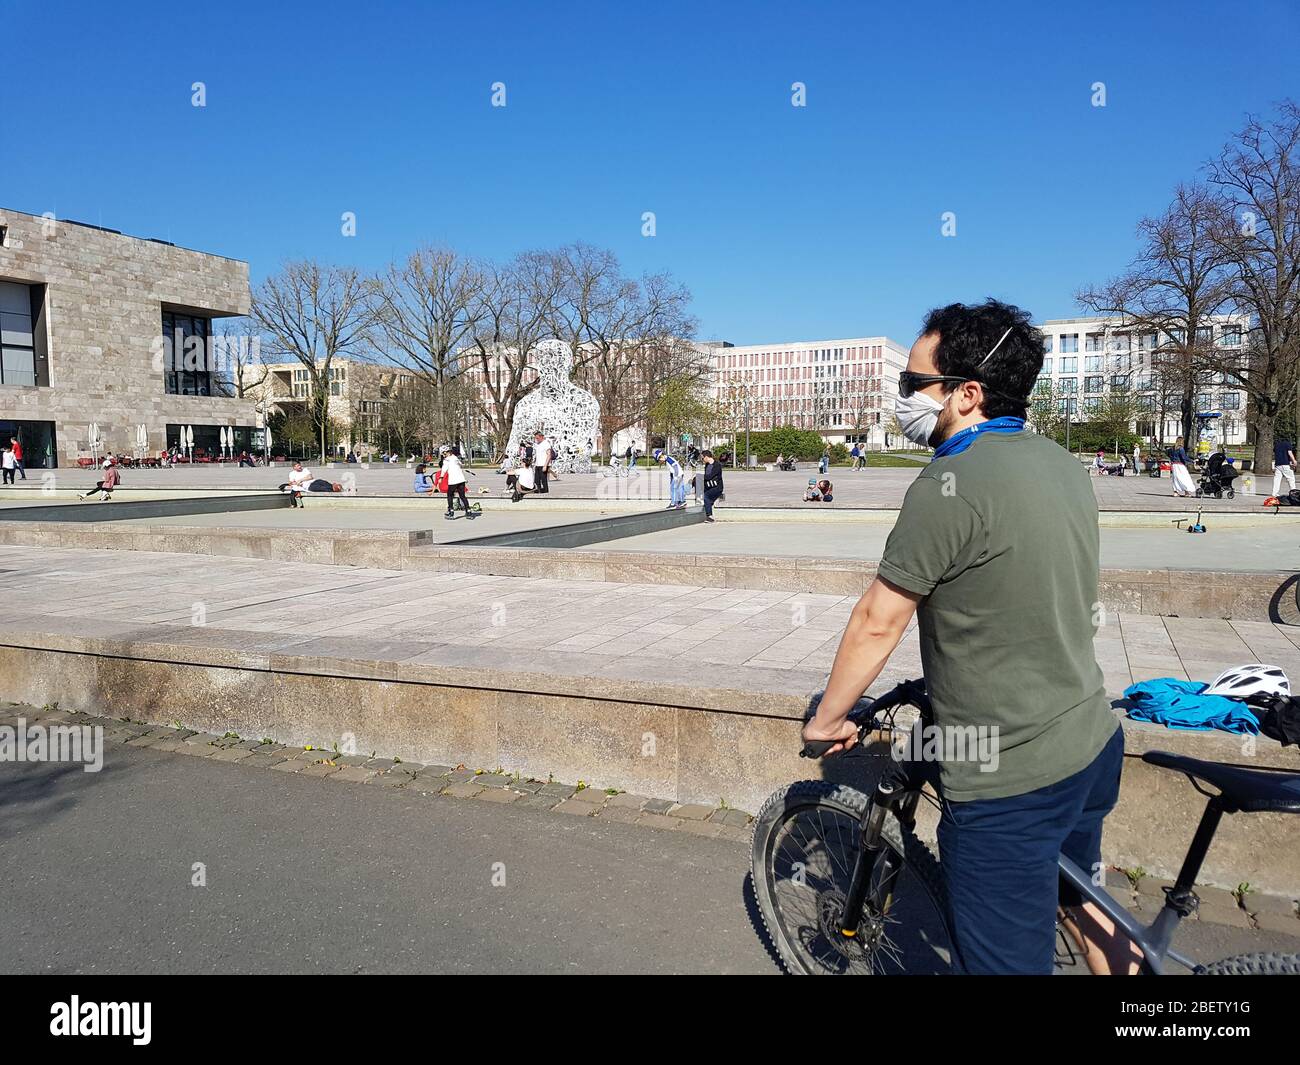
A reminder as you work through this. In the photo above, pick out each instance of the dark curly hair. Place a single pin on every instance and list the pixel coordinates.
(967, 333)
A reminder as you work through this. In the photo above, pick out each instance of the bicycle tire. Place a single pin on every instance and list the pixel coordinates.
(919, 896)
(1267, 963)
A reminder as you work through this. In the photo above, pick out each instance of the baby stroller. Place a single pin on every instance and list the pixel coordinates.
(1217, 478)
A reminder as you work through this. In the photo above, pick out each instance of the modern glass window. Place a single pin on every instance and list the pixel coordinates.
(1231, 401)
(1047, 365)
(1230, 337)
(1069, 342)
(1119, 382)
(1093, 384)
(17, 341)
(1070, 385)
(1147, 342)
(189, 364)
(1094, 342)
(1204, 335)
(1204, 401)
(1047, 343)
(1069, 365)
(1091, 363)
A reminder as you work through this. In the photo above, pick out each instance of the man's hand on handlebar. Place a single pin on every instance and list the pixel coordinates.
(844, 735)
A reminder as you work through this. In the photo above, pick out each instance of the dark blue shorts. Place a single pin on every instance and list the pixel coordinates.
(999, 863)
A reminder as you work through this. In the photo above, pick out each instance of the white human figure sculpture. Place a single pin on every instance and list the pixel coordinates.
(558, 409)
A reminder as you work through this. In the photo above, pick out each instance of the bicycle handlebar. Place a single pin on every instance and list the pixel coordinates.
(864, 714)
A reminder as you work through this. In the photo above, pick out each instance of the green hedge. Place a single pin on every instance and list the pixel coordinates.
(804, 444)
(1085, 437)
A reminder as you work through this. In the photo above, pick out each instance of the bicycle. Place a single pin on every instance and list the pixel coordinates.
(617, 469)
(844, 885)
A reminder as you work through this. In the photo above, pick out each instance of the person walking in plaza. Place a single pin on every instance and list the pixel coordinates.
(18, 457)
(712, 483)
(824, 464)
(7, 464)
(856, 456)
(1137, 458)
(1182, 480)
(541, 463)
(1283, 464)
(996, 554)
(455, 475)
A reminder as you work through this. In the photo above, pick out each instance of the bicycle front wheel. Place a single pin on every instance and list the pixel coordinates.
(806, 841)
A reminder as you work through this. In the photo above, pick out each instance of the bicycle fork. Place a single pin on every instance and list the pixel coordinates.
(889, 797)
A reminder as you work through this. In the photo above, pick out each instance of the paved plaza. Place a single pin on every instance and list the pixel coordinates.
(881, 487)
(746, 639)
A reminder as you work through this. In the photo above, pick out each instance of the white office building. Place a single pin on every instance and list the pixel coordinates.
(1086, 357)
(843, 389)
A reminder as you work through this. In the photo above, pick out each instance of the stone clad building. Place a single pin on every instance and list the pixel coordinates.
(100, 327)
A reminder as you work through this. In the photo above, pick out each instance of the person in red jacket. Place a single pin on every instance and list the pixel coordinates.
(18, 457)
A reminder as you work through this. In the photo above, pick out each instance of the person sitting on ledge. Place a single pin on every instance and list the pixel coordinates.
(423, 482)
(106, 485)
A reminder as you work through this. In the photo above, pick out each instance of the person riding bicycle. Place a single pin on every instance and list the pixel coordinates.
(996, 550)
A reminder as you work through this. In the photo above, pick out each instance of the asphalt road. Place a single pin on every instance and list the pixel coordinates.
(314, 876)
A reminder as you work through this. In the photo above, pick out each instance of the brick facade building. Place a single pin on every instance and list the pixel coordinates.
(100, 327)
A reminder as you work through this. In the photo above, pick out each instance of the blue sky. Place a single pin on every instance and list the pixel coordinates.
(786, 223)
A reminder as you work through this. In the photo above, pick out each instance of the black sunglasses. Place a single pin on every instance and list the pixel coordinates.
(909, 382)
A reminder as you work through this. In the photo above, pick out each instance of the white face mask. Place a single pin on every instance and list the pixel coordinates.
(918, 415)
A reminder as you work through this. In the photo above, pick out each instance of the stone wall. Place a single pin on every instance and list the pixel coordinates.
(103, 319)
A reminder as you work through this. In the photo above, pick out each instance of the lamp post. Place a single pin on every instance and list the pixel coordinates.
(746, 432)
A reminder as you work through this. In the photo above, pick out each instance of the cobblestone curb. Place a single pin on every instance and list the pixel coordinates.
(457, 782)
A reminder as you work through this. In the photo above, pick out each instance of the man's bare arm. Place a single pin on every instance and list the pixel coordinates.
(875, 628)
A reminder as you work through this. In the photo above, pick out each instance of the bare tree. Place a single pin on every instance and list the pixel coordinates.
(629, 338)
(426, 310)
(237, 353)
(513, 315)
(1257, 175)
(1174, 288)
(314, 313)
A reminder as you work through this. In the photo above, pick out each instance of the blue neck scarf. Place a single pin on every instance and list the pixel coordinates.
(959, 442)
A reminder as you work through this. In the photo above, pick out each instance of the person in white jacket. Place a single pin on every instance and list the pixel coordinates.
(455, 481)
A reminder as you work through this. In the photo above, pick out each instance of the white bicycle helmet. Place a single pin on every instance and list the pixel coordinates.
(1241, 681)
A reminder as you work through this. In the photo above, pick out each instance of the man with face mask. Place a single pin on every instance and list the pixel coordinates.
(996, 553)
